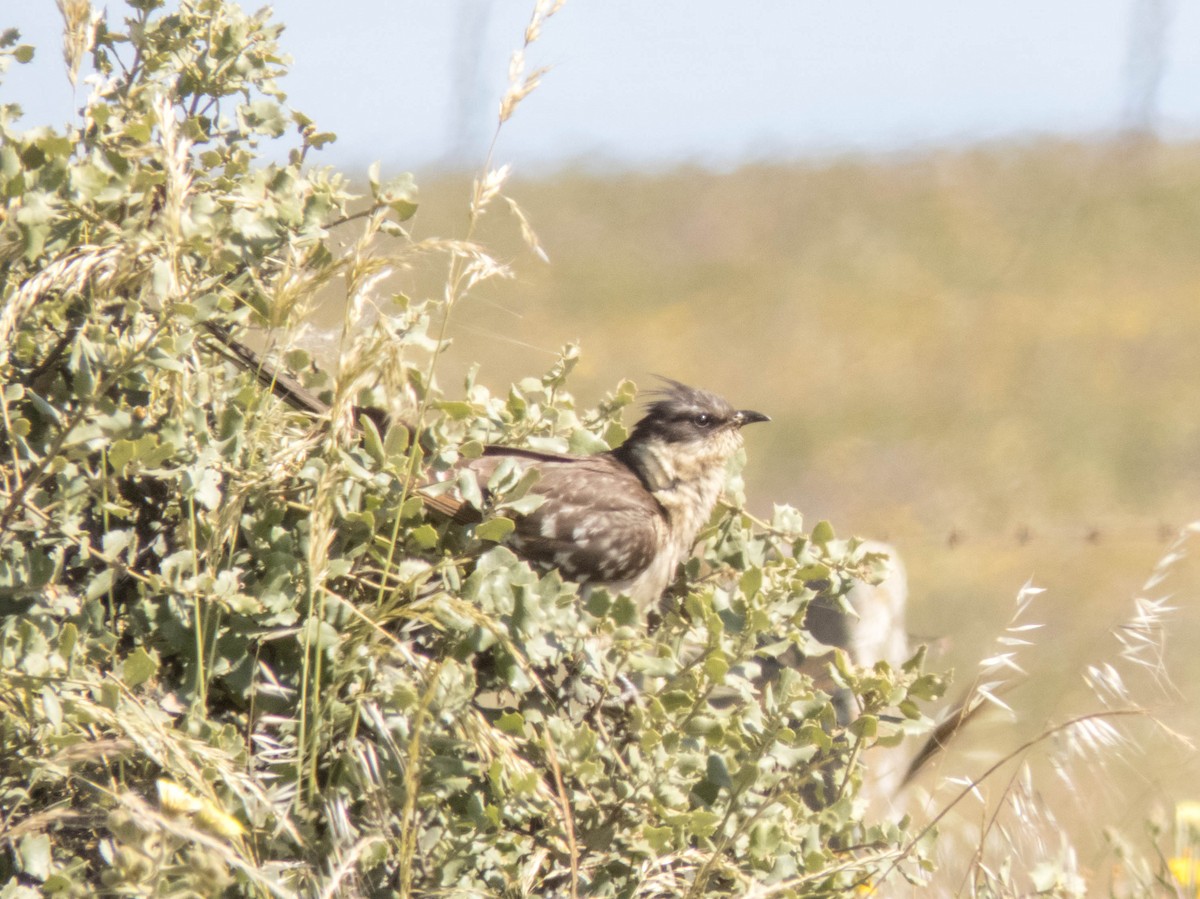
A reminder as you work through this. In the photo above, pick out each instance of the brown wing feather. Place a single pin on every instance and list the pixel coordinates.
(598, 522)
(451, 506)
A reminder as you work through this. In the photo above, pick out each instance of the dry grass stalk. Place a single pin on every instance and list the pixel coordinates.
(989, 684)
(86, 267)
(79, 33)
(527, 232)
(1019, 830)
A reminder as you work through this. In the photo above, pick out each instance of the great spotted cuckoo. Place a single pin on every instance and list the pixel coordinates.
(625, 519)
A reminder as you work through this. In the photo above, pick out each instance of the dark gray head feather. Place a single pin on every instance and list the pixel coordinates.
(679, 413)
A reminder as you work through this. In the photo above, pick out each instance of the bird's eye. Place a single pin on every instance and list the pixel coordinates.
(703, 420)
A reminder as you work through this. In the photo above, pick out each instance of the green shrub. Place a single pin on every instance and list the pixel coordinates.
(237, 654)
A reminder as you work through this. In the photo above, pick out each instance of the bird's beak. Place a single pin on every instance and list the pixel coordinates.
(749, 417)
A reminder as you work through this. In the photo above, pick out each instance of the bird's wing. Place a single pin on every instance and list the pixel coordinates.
(451, 506)
(597, 522)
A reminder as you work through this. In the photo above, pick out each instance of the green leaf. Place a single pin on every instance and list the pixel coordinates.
(865, 727)
(425, 537)
(400, 195)
(927, 687)
(371, 439)
(120, 454)
(910, 709)
(494, 529)
(523, 506)
(51, 706)
(751, 582)
(456, 410)
(585, 443)
(703, 726)
(676, 700)
(716, 772)
(716, 667)
(703, 823)
(598, 603)
(100, 584)
(624, 611)
(151, 454)
(815, 572)
(395, 444)
(661, 839)
(208, 489)
(815, 735)
(822, 532)
(264, 116)
(67, 638)
(412, 508)
(138, 667)
(116, 542)
(33, 855)
(513, 723)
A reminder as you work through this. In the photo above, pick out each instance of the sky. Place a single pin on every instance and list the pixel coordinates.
(637, 84)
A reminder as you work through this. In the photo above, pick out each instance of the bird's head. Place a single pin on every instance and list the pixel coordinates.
(687, 431)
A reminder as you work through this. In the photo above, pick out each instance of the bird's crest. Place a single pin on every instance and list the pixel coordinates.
(674, 400)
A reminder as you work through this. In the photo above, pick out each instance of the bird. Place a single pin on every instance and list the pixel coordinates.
(626, 518)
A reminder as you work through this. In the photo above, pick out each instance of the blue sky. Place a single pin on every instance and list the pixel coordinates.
(635, 83)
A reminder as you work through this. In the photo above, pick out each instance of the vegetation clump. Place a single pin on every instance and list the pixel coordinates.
(237, 653)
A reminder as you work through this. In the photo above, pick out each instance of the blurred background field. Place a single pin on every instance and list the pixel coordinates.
(988, 357)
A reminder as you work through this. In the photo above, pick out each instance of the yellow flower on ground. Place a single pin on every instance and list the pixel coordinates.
(1185, 870)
